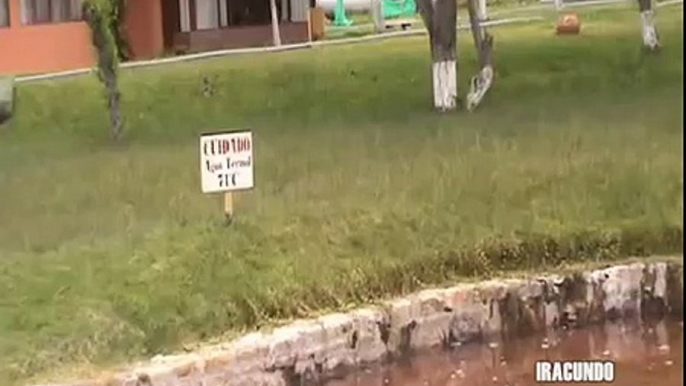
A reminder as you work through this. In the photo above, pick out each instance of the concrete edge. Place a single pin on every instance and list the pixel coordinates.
(265, 50)
(303, 46)
(313, 349)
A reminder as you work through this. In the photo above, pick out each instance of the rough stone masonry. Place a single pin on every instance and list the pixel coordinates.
(308, 352)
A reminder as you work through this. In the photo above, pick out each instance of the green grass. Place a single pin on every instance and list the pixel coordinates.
(110, 252)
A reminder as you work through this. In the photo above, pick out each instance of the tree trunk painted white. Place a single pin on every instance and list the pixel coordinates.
(377, 15)
(483, 13)
(276, 34)
(559, 5)
(650, 37)
(445, 85)
(440, 19)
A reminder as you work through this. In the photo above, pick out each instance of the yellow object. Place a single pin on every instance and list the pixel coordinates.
(317, 23)
(569, 24)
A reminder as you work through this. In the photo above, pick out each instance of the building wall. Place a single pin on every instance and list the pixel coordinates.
(240, 37)
(185, 15)
(144, 28)
(299, 10)
(29, 49)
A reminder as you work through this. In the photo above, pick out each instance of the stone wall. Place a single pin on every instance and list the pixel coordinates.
(308, 352)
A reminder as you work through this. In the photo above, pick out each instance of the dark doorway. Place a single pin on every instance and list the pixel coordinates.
(250, 12)
(171, 21)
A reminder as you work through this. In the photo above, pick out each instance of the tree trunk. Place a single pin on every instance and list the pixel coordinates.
(651, 39)
(483, 12)
(276, 34)
(108, 76)
(440, 19)
(107, 62)
(559, 5)
(113, 97)
(481, 83)
(119, 30)
(377, 15)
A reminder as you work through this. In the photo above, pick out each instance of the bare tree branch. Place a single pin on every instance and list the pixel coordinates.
(483, 41)
(480, 83)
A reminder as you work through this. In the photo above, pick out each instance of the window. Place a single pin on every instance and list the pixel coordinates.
(50, 11)
(242, 12)
(4, 13)
(210, 14)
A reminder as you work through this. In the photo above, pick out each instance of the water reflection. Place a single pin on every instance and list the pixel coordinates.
(649, 354)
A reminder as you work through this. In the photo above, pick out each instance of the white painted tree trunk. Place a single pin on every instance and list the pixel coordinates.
(276, 34)
(440, 19)
(377, 15)
(559, 5)
(483, 13)
(445, 85)
(650, 38)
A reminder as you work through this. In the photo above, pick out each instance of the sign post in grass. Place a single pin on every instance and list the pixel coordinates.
(227, 165)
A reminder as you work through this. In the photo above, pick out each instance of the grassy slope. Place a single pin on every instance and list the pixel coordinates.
(109, 252)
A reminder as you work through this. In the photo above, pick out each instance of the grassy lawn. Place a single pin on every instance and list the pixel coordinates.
(109, 253)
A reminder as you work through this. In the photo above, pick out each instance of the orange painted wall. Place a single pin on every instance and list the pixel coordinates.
(30, 49)
(144, 28)
(26, 49)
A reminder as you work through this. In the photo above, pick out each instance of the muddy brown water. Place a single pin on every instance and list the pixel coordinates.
(644, 354)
